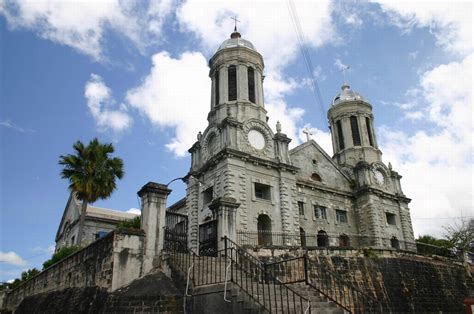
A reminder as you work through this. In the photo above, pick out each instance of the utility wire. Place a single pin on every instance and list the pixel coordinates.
(306, 58)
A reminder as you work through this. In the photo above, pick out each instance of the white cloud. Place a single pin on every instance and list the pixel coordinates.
(413, 55)
(437, 166)
(175, 94)
(450, 22)
(99, 100)
(10, 125)
(82, 25)
(12, 258)
(135, 211)
(269, 27)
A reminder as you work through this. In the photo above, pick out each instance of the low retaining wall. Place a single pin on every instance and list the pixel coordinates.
(403, 281)
(108, 263)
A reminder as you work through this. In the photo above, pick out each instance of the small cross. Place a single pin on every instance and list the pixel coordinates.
(343, 70)
(308, 134)
(235, 21)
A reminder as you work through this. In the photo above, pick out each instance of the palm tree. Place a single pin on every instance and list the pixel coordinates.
(91, 173)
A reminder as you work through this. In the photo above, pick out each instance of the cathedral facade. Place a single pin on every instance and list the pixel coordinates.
(283, 197)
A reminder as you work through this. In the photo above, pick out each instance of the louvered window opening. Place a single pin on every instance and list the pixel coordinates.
(355, 131)
(369, 132)
(216, 87)
(232, 79)
(340, 135)
(251, 84)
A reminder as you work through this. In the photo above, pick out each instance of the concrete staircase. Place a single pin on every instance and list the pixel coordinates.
(247, 290)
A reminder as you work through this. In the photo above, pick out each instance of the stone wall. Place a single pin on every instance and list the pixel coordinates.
(404, 282)
(108, 263)
(154, 293)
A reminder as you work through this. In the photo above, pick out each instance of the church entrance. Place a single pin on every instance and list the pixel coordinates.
(208, 238)
(176, 232)
(264, 228)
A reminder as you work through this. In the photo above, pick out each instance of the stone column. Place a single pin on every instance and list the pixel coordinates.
(153, 197)
(224, 209)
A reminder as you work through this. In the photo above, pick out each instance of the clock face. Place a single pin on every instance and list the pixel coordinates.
(379, 177)
(256, 139)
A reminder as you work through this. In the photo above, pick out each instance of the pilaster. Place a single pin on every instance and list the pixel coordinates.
(153, 197)
(224, 210)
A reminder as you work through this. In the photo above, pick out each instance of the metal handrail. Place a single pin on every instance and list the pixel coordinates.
(268, 281)
(226, 279)
(187, 281)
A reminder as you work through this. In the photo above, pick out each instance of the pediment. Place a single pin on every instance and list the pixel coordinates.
(314, 162)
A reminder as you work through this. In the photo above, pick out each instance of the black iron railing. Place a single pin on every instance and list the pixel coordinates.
(326, 282)
(234, 264)
(260, 284)
(341, 291)
(289, 271)
(268, 284)
(318, 241)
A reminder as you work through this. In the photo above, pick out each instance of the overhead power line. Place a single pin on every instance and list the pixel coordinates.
(307, 58)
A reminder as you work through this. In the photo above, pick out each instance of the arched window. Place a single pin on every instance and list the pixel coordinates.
(322, 239)
(316, 177)
(216, 87)
(355, 131)
(264, 227)
(302, 237)
(369, 131)
(251, 84)
(340, 135)
(232, 82)
(394, 243)
(344, 241)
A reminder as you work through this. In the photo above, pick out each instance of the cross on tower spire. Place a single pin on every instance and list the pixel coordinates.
(235, 22)
(343, 70)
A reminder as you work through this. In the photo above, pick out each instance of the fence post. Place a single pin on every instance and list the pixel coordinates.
(225, 248)
(306, 268)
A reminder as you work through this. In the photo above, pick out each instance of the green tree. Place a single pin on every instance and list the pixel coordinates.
(30, 273)
(430, 245)
(461, 235)
(61, 254)
(92, 174)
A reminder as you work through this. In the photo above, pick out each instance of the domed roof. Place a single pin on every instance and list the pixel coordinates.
(347, 94)
(235, 40)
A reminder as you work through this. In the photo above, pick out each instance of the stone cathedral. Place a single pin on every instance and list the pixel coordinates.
(284, 197)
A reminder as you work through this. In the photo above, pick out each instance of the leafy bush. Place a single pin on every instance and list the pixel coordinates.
(134, 223)
(429, 245)
(60, 255)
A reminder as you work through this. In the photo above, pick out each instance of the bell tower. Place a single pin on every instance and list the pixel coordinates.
(238, 156)
(236, 71)
(353, 136)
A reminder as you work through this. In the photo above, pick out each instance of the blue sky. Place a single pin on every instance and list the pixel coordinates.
(136, 75)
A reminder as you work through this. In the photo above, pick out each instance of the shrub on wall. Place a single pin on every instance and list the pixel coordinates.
(134, 223)
(60, 255)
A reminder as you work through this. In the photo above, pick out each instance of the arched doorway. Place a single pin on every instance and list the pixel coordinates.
(264, 228)
(395, 243)
(322, 238)
(344, 240)
(302, 237)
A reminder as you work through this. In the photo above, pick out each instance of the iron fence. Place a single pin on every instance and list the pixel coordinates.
(321, 240)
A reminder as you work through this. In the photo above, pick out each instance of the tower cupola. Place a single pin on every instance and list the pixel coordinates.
(236, 71)
(353, 136)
